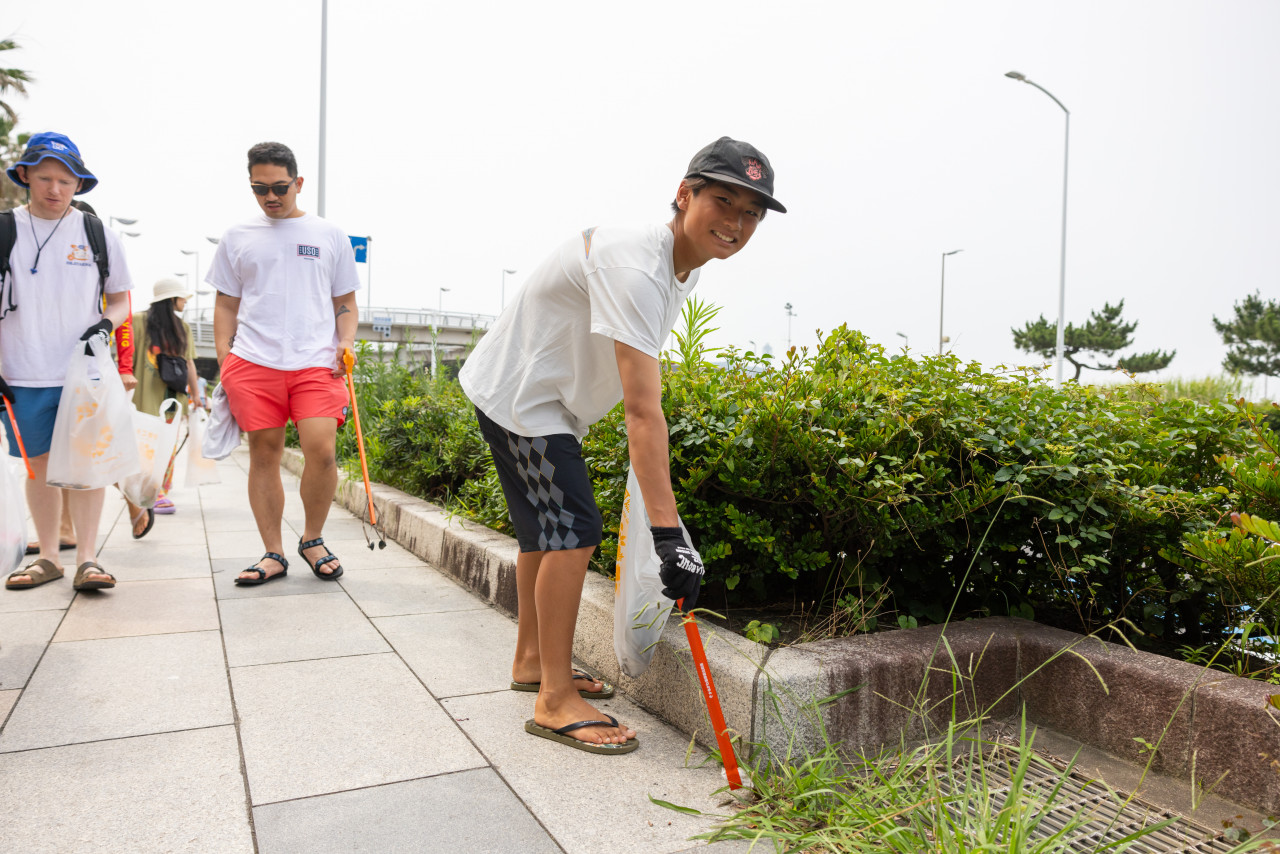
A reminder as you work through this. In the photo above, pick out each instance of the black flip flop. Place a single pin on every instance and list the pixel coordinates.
(561, 735)
(34, 548)
(263, 578)
(151, 520)
(329, 557)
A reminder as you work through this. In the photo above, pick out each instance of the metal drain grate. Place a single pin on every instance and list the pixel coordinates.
(1094, 815)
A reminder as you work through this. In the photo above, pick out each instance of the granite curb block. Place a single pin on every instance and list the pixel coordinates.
(1206, 724)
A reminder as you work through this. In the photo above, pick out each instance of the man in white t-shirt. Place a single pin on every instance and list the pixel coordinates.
(284, 314)
(584, 333)
(54, 304)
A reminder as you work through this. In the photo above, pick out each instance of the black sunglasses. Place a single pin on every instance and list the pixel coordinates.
(278, 189)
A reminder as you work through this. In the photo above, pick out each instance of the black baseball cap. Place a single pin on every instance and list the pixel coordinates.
(737, 163)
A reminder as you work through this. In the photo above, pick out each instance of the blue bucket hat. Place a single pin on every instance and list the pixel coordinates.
(60, 148)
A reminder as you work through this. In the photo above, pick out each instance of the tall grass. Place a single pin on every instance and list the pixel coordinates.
(1208, 389)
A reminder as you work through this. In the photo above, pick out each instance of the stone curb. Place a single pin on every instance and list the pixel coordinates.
(909, 684)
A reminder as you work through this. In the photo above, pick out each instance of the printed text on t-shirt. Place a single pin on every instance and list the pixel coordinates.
(308, 251)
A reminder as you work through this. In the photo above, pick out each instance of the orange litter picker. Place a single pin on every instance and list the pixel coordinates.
(349, 361)
(17, 434)
(727, 755)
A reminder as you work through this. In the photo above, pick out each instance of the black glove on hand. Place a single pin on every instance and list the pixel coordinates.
(103, 328)
(5, 391)
(682, 568)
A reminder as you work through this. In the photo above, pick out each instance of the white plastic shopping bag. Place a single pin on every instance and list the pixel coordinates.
(13, 513)
(94, 443)
(222, 433)
(199, 470)
(157, 440)
(640, 610)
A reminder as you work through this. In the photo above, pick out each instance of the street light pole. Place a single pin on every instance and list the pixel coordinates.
(195, 283)
(505, 273)
(942, 295)
(324, 65)
(1062, 260)
(435, 332)
(790, 314)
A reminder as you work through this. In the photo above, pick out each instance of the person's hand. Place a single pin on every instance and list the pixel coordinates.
(129, 380)
(343, 347)
(102, 329)
(682, 568)
(5, 391)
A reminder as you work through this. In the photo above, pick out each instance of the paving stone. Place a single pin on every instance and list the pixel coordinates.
(467, 811)
(52, 596)
(91, 690)
(7, 701)
(295, 628)
(394, 591)
(316, 727)
(153, 561)
(23, 637)
(460, 652)
(128, 796)
(565, 788)
(134, 608)
(242, 544)
(355, 554)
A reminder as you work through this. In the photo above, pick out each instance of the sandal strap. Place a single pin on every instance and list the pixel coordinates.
(91, 567)
(318, 541)
(326, 559)
(37, 569)
(278, 558)
(613, 722)
(262, 573)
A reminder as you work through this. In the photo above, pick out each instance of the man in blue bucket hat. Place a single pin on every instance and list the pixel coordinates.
(52, 298)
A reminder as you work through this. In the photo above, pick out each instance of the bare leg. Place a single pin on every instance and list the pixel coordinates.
(68, 531)
(86, 513)
(557, 593)
(527, 666)
(266, 493)
(318, 437)
(45, 503)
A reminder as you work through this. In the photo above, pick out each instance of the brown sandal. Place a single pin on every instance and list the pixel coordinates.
(39, 571)
(84, 569)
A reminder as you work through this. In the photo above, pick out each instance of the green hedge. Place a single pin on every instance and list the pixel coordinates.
(928, 478)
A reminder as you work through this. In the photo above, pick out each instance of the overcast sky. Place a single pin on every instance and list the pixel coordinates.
(468, 137)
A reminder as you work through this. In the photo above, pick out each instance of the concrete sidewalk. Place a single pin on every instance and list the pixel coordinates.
(179, 712)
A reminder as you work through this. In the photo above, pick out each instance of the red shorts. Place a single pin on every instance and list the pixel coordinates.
(262, 398)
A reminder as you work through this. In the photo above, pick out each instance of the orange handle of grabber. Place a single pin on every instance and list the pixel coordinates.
(349, 361)
(17, 434)
(713, 700)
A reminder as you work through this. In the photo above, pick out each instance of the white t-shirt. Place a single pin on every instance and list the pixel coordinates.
(286, 273)
(548, 364)
(58, 302)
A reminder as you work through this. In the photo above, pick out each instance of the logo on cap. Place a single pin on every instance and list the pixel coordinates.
(57, 146)
(755, 170)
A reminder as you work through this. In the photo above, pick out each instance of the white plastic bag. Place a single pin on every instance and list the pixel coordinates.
(94, 444)
(199, 470)
(157, 440)
(640, 610)
(13, 513)
(222, 433)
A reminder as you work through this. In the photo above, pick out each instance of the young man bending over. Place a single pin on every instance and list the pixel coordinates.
(285, 311)
(584, 333)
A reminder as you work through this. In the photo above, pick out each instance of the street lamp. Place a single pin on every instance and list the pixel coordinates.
(195, 283)
(214, 240)
(123, 220)
(505, 273)
(435, 332)
(942, 294)
(790, 314)
(906, 342)
(1062, 262)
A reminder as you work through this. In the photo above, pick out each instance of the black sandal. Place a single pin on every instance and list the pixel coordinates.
(263, 578)
(328, 558)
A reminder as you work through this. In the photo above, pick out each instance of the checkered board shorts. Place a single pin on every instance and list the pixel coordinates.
(548, 491)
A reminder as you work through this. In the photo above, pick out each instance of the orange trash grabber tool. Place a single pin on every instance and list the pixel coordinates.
(349, 361)
(17, 434)
(713, 699)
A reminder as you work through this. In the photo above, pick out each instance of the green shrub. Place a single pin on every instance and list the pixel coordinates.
(846, 469)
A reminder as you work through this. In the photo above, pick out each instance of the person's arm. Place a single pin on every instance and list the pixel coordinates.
(124, 350)
(193, 383)
(117, 308)
(347, 318)
(647, 432)
(226, 310)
